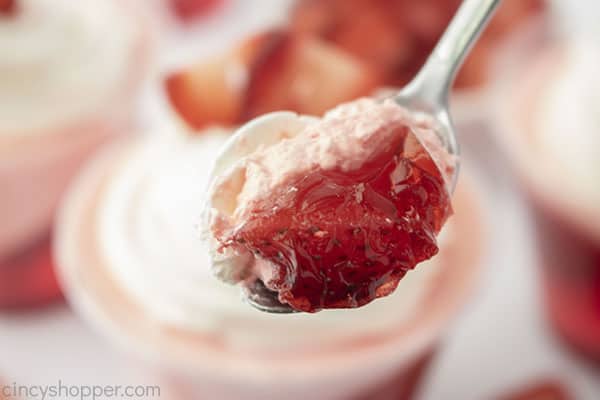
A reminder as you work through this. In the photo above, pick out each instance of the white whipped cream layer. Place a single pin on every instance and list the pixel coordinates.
(147, 229)
(61, 60)
(566, 122)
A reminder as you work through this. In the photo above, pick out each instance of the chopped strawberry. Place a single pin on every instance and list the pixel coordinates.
(203, 95)
(8, 7)
(305, 75)
(342, 239)
(510, 14)
(214, 92)
(188, 10)
(395, 36)
(543, 391)
(28, 279)
(270, 71)
(314, 17)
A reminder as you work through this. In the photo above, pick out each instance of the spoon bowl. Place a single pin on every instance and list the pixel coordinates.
(262, 298)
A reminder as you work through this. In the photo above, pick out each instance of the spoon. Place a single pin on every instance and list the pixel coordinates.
(428, 92)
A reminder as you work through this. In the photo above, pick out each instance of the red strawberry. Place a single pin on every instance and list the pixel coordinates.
(270, 71)
(305, 75)
(188, 10)
(202, 95)
(28, 279)
(8, 7)
(543, 391)
(213, 92)
(509, 15)
(395, 36)
(365, 29)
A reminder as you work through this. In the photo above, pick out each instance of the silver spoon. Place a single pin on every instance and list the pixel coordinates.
(428, 92)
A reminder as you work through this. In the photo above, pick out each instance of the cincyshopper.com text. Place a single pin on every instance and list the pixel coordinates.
(62, 391)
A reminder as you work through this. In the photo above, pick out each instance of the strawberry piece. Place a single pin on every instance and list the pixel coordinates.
(202, 95)
(366, 29)
(189, 10)
(28, 279)
(305, 75)
(509, 14)
(543, 391)
(8, 7)
(343, 239)
(395, 37)
(270, 71)
(214, 92)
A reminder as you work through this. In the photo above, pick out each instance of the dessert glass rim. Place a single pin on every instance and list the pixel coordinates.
(521, 84)
(186, 351)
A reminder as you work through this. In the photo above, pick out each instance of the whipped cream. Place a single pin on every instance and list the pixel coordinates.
(61, 60)
(566, 122)
(147, 232)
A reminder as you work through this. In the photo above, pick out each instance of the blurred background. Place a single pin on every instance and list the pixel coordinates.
(77, 76)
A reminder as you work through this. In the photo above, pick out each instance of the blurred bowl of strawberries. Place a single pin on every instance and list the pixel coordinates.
(395, 37)
(332, 51)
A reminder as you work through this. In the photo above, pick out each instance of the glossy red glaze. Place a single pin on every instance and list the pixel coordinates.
(338, 239)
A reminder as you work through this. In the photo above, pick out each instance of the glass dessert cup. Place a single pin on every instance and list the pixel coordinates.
(565, 220)
(224, 362)
(37, 164)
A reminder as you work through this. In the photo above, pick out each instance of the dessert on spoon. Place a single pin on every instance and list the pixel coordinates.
(309, 214)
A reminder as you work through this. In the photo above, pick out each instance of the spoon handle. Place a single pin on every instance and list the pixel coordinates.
(433, 82)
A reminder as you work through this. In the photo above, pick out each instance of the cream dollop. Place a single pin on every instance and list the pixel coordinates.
(148, 235)
(567, 122)
(61, 60)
